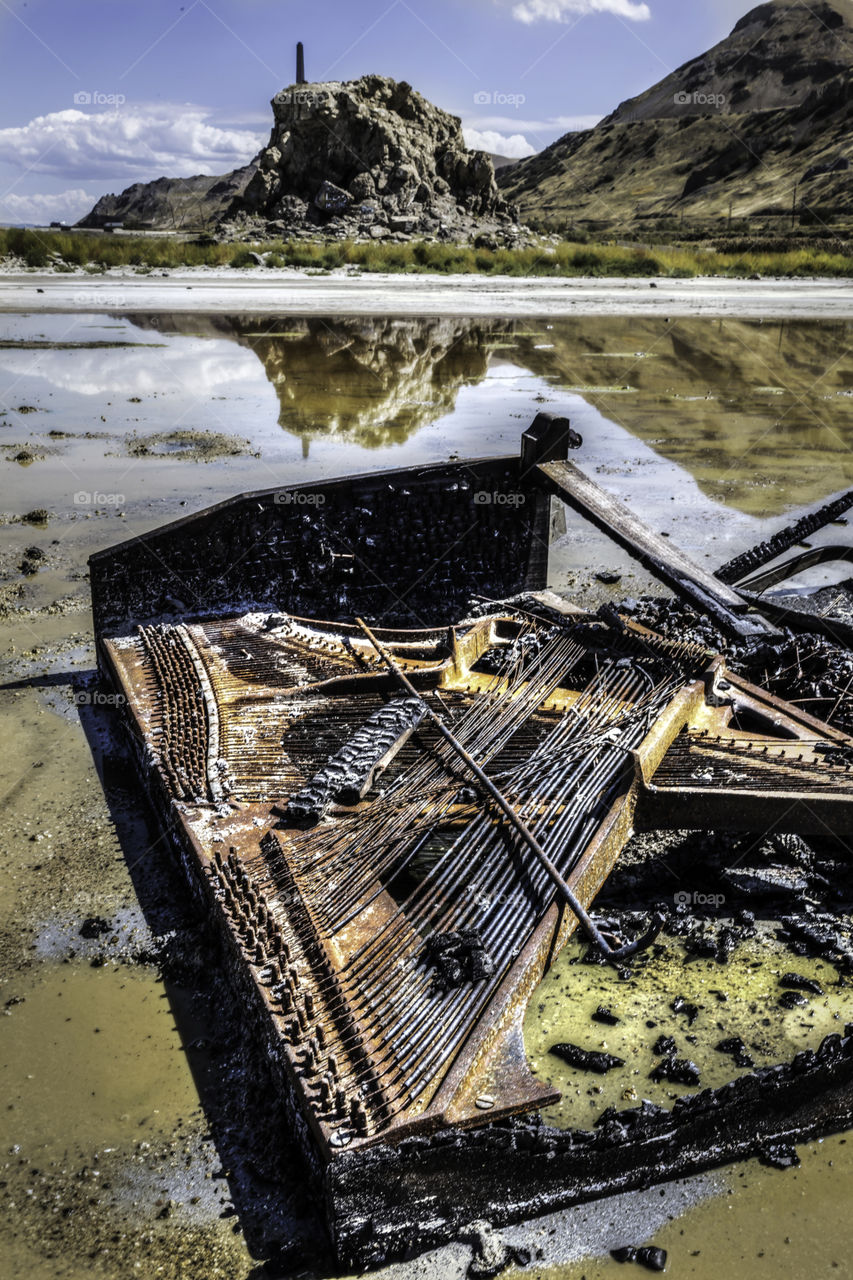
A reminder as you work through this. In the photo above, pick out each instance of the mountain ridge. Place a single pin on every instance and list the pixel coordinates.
(765, 110)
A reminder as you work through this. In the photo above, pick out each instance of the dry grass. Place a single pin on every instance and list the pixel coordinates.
(67, 249)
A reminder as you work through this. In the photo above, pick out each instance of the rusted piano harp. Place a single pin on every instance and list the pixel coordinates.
(393, 922)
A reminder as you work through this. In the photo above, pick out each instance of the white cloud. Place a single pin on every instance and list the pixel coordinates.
(560, 10)
(60, 206)
(514, 145)
(139, 142)
(556, 126)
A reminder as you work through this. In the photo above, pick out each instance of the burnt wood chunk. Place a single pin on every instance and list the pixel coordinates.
(586, 1059)
(350, 772)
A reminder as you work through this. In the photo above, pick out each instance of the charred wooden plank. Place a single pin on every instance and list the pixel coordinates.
(693, 583)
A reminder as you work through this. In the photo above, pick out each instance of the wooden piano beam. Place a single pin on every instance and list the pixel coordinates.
(694, 584)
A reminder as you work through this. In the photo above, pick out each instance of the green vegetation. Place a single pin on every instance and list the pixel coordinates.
(96, 253)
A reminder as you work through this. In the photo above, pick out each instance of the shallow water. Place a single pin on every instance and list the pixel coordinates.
(714, 431)
(737, 999)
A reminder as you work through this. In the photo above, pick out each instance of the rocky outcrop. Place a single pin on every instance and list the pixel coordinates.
(172, 204)
(358, 159)
(371, 156)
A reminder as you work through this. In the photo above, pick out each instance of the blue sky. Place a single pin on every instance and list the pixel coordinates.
(99, 94)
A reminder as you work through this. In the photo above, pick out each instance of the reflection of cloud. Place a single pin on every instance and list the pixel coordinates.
(200, 367)
(139, 141)
(514, 145)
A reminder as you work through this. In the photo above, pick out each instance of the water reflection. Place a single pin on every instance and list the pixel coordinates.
(759, 412)
(369, 381)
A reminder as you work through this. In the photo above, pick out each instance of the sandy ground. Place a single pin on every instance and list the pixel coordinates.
(348, 292)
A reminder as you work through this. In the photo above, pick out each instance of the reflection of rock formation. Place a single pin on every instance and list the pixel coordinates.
(761, 413)
(371, 381)
(375, 382)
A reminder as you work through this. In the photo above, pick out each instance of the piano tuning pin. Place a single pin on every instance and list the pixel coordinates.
(321, 1035)
(250, 937)
(358, 1115)
(217, 857)
(287, 1000)
(304, 1020)
(294, 1031)
(333, 1066)
(325, 1092)
(340, 1101)
(309, 1062)
(260, 953)
(293, 976)
(309, 1003)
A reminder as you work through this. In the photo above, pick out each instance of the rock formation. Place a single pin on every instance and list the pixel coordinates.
(172, 204)
(366, 158)
(370, 156)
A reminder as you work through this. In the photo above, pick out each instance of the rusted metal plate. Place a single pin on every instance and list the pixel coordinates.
(395, 943)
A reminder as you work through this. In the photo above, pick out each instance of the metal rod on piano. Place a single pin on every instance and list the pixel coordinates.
(586, 922)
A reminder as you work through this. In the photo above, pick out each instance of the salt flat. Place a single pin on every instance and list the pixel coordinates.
(345, 293)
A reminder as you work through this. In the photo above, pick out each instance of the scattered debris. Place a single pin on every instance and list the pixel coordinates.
(690, 1011)
(648, 1256)
(586, 1059)
(676, 1071)
(31, 561)
(796, 982)
(459, 958)
(735, 1046)
(778, 1155)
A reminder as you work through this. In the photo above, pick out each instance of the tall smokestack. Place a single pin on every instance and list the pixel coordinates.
(300, 64)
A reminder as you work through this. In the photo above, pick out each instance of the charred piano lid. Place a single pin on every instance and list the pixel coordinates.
(405, 548)
(395, 939)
